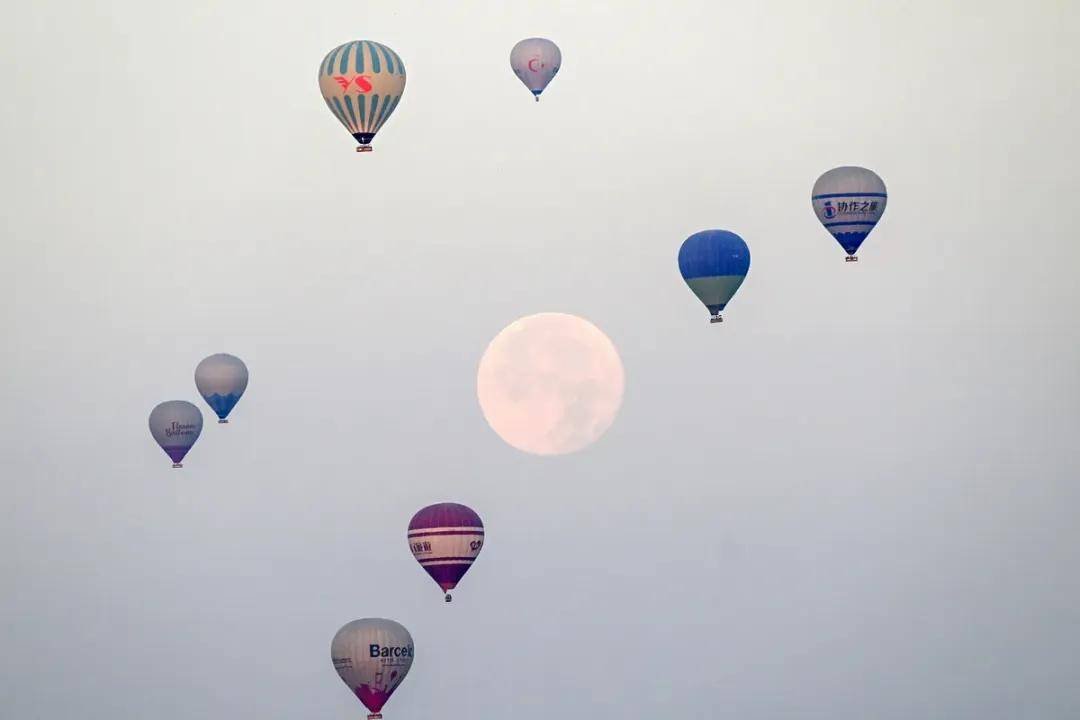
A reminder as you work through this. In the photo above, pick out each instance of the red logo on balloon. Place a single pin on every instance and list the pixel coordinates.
(363, 82)
(539, 64)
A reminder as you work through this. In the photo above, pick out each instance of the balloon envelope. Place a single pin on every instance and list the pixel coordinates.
(535, 61)
(372, 656)
(714, 264)
(849, 201)
(175, 425)
(221, 380)
(362, 83)
(445, 539)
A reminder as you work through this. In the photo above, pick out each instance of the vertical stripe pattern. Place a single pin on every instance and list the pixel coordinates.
(362, 83)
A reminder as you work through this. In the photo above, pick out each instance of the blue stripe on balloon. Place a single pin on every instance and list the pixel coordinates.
(400, 65)
(361, 104)
(387, 57)
(340, 112)
(393, 106)
(344, 67)
(349, 107)
(359, 58)
(376, 67)
(371, 112)
(850, 194)
(329, 70)
(340, 118)
(387, 101)
(854, 222)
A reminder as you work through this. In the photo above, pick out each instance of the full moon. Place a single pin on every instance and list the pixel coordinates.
(550, 384)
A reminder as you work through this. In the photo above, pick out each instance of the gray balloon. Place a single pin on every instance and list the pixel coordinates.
(372, 656)
(221, 380)
(176, 425)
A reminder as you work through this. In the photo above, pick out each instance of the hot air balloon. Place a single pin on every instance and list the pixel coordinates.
(445, 539)
(535, 61)
(362, 82)
(221, 380)
(714, 264)
(175, 425)
(849, 201)
(372, 656)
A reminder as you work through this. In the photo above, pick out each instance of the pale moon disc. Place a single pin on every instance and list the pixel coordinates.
(550, 384)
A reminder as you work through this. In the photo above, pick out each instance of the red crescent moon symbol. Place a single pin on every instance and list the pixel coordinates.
(531, 61)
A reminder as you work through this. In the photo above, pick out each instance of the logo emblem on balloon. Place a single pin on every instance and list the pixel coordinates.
(535, 61)
(363, 82)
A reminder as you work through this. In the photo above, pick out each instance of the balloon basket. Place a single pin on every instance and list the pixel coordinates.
(851, 258)
(374, 716)
(365, 148)
(177, 465)
(448, 598)
(716, 319)
(223, 421)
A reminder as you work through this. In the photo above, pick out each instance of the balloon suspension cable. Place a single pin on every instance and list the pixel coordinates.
(448, 598)
(716, 318)
(851, 258)
(177, 465)
(364, 148)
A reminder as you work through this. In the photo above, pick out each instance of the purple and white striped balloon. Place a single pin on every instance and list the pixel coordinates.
(445, 539)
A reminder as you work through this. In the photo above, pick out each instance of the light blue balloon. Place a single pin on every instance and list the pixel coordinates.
(221, 380)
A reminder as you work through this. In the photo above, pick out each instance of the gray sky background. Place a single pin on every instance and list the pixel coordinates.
(856, 498)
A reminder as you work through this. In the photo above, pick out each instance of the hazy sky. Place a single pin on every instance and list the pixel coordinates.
(856, 498)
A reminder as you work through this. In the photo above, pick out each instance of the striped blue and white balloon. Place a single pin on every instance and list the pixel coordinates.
(714, 264)
(535, 61)
(362, 82)
(849, 202)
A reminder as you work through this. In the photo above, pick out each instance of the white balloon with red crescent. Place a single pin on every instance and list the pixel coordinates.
(535, 61)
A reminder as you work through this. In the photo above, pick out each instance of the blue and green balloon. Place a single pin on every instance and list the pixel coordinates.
(714, 264)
